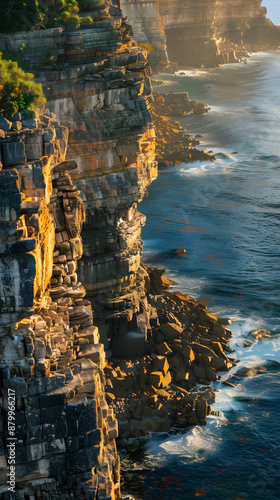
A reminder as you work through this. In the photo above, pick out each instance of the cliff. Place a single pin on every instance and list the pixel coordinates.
(52, 362)
(210, 32)
(58, 434)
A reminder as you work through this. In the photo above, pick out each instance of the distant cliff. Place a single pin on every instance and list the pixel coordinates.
(210, 32)
(201, 32)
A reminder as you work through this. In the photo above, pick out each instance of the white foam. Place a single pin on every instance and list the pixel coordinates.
(211, 168)
(195, 446)
(193, 73)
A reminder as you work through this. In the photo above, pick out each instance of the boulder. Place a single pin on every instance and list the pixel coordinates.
(16, 125)
(5, 124)
(246, 372)
(201, 409)
(202, 349)
(163, 349)
(167, 380)
(171, 330)
(181, 252)
(13, 153)
(156, 379)
(258, 334)
(188, 356)
(29, 123)
(160, 363)
(182, 376)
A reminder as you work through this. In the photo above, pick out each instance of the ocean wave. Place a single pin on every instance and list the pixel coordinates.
(194, 446)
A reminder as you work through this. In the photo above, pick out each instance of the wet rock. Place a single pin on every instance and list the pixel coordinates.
(246, 372)
(258, 334)
(201, 409)
(181, 252)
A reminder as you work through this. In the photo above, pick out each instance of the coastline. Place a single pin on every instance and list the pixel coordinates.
(186, 349)
(168, 350)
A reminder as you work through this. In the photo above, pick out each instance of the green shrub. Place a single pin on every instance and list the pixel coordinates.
(18, 90)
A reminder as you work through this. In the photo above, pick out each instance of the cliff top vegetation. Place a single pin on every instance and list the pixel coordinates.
(18, 91)
(24, 15)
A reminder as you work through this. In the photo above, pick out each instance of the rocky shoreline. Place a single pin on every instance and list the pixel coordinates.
(173, 144)
(186, 346)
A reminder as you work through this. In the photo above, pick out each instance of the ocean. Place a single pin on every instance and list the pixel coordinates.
(226, 214)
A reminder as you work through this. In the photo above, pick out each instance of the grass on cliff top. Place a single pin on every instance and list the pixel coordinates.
(18, 91)
(25, 15)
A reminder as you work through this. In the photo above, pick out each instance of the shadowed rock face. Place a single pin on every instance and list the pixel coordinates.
(199, 32)
(148, 29)
(189, 30)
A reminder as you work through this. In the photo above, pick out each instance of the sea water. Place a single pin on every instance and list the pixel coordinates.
(226, 214)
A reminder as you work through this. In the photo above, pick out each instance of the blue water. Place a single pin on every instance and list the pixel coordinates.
(226, 214)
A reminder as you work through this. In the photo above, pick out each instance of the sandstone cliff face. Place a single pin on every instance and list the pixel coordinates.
(97, 84)
(205, 32)
(53, 407)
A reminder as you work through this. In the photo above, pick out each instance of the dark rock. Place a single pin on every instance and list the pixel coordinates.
(13, 153)
(5, 124)
(54, 422)
(81, 416)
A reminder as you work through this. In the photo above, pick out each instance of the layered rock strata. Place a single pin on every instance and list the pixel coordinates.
(211, 32)
(148, 30)
(53, 409)
(102, 96)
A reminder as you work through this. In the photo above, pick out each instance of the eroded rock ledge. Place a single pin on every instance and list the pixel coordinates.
(185, 347)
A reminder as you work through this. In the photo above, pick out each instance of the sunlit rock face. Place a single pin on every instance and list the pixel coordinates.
(97, 83)
(198, 31)
(245, 22)
(51, 361)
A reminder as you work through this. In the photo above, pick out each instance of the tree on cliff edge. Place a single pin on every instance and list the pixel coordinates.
(18, 90)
